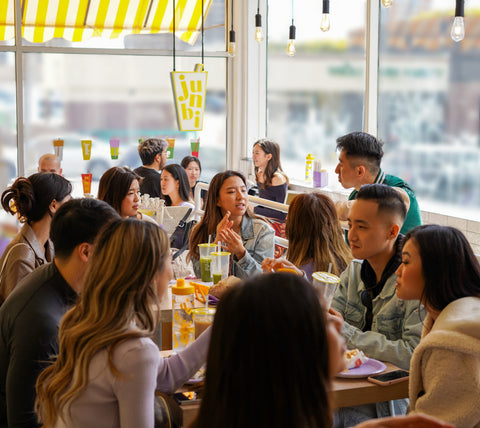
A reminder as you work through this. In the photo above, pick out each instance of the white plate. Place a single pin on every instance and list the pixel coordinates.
(368, 368)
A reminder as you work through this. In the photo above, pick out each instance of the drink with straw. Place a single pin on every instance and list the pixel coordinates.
(205, 251)
(220, 265)
(195, 146)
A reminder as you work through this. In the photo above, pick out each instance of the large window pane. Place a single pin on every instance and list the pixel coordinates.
(318, 94)
(98, 97)
(429, 104)
(8, 123)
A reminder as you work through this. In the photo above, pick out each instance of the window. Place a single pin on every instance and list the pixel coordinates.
(428, 107)
(124, 93)
(307, 114)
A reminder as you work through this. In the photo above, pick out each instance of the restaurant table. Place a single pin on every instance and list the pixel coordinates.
(345, 392)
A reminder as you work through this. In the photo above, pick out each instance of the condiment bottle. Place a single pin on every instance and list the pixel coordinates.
(183, 329)
(309, 168)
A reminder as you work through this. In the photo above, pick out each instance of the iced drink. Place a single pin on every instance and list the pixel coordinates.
(202, 318)
(58, 148)
(326, 284)
(220, 265)
(114, 148)
(171, 146)
(205, 260)
(86, 149)
(87, 183)
(195, 146)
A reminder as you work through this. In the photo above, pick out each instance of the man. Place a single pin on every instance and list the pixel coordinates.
(375, 320)
(359, 163)
(49, 163)
(30, 316)
(153, 153)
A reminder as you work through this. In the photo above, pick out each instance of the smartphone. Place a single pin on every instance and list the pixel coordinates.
(188, 397)
(389, 378)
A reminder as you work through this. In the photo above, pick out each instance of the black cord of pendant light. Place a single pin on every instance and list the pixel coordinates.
(174, 35)
(203, 36)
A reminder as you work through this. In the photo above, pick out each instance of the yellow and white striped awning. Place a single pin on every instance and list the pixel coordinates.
(77, 20)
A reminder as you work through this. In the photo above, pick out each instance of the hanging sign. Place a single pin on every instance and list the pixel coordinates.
(189, 92)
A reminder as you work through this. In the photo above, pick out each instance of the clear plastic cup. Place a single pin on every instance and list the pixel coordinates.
(205, 251)
(326, 285)
(202, 319)
(220, 265)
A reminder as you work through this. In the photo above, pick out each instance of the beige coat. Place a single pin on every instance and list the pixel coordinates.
(26, 254)
(445, 367)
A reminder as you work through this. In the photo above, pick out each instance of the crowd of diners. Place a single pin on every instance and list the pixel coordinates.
(81, 282)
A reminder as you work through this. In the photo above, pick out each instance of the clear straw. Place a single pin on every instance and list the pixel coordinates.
(219, 247)
(330, 267)
(209, 239)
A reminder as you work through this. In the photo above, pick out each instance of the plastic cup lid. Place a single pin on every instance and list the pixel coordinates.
(329, 278)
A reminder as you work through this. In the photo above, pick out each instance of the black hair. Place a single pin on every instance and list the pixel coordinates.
(150, 148)
(450, 269)
(78, 221)
(188, 159)
(362, 147)
(30, 198)
(114, 185)
(179, 174)
(270, 327)
(388, 199)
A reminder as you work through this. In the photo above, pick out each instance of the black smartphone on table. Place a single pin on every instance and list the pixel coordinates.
(389, 378)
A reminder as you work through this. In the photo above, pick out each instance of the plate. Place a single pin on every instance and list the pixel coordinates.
(368, 368)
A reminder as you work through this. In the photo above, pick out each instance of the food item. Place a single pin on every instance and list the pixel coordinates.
(354, 358)
(222, 286)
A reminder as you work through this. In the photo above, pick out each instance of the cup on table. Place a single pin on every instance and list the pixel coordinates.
(326, 284)
(202, 318)
(220, 265)
(205, 251)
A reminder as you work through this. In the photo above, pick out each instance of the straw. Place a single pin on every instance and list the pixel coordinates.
(219, 247)
(330, 267)
(209, 239)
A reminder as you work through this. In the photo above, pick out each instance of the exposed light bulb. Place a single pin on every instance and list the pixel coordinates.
(387, 3)
(325, 23)
(291, 50)
(258, 28)
(231, 44)
(458, 29)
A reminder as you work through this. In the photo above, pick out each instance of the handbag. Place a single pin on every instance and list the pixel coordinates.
(181, 235)
(167, 412)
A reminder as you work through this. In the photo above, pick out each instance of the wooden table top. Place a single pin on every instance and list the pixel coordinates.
(345, 393)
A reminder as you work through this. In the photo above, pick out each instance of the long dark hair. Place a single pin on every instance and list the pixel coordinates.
(178, 174)
(449, 266)
(268, 362)
(30, 198)
(270, 148)
(314, 234)
(115, 184)
(213, 214)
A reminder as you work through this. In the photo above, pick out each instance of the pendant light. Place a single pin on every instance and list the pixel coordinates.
(291, 50)
(325, 23)
(258, 25)
(231, 35)
(458, 27)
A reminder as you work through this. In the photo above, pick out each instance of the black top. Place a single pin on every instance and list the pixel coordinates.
(272, 193)
(150, 183)
(29, 321)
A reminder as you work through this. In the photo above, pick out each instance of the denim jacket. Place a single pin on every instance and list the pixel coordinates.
(397, 324)
(258, 240)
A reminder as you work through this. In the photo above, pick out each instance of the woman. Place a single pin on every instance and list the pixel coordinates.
(108, 368)
(120, 188)
(315, 238)
(193, 168)
(271, 180)
(174, 184)
(229, 219)
(33, 200)
(273, 368)
(439, 268)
